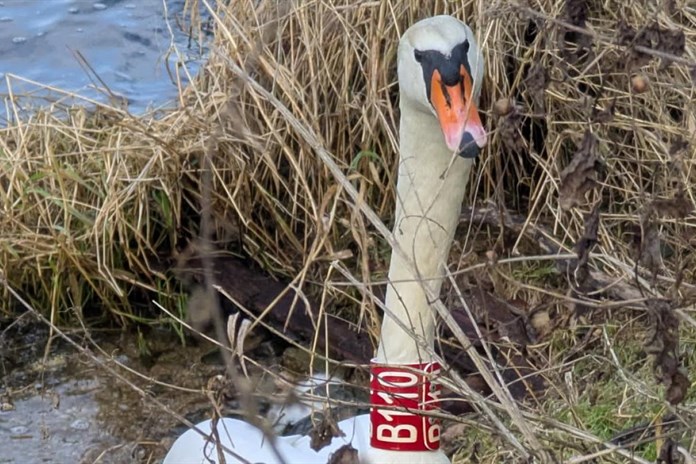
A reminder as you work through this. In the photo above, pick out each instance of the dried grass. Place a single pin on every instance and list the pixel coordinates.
(96, 205)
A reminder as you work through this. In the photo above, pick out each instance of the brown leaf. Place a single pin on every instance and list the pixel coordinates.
(679, 387)
(346, 454)
(535, 83)
(662, 342)
(585, 245)
(575, 45)
(509, 130)
(607, 114)
(580, 175)
(678, 207)
(671, 41)
(576, 12)
(628, 36)
(670, 6)
(678, 145)
(649, 252)
(668, 453)
(323, 432)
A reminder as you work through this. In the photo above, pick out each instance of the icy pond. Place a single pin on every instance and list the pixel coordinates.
(134, 48)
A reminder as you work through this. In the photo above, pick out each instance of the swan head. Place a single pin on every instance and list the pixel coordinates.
(440, 69)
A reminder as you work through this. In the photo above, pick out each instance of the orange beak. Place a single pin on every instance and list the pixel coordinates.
(458, 115)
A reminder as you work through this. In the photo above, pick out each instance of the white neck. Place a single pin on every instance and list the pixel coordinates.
(430, 189)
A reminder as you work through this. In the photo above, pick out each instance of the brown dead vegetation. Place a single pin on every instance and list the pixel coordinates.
(585, 173)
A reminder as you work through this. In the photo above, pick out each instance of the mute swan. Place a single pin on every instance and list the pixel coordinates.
(440, 69)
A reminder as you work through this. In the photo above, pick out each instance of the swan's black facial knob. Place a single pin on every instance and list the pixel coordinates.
(450, 87)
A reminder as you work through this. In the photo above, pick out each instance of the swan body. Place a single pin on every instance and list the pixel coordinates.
(440, 69)
(248, 442)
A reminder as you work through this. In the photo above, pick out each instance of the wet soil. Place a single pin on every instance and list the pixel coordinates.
(58, 406)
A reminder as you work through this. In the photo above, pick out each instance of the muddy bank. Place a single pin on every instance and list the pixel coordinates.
(59, 406)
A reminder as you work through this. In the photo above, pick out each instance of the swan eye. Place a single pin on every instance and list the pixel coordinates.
(419, 55)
